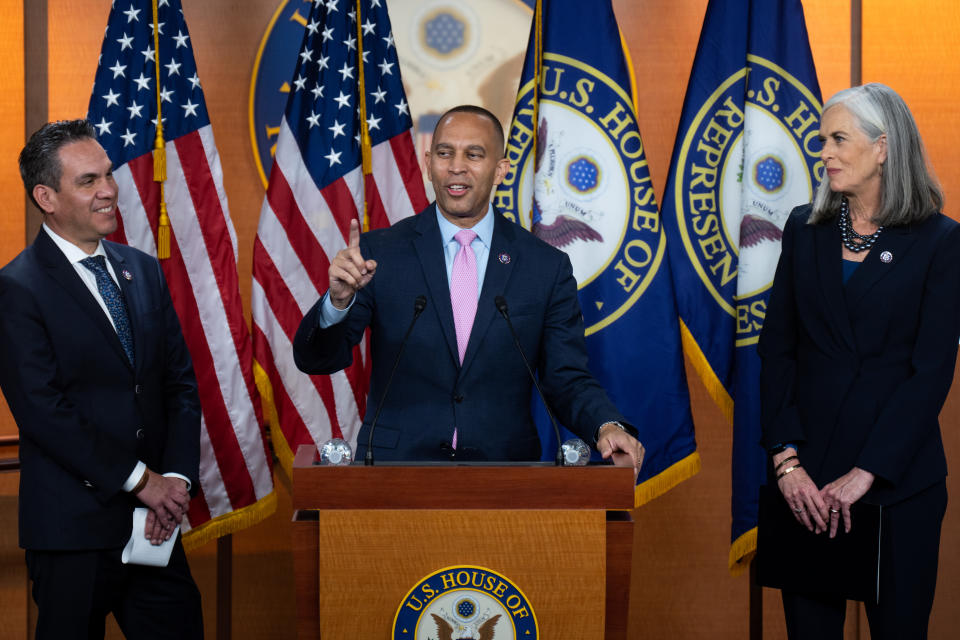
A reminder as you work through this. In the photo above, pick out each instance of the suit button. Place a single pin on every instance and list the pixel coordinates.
(140, 434)
(138, 389)
(458, 398)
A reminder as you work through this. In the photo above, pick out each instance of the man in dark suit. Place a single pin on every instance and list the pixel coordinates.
(96, 372)
(461, 389)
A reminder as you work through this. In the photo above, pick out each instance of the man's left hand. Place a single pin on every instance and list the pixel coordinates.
(616, 444)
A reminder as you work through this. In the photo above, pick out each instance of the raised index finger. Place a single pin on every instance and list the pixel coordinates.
(354, 235)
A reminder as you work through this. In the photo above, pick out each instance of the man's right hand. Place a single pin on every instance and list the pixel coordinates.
(168, 500)
(348, 271)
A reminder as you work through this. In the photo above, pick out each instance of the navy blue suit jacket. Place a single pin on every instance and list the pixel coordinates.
(856, 374)
(85, 414)
(487, 399)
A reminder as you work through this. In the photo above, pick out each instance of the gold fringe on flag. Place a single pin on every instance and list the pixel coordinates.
(365, 144)
(743, 548)
(742, 551)
(280, 445)
(667, 479)
(159, 150)
(231, 522)
(702, 366)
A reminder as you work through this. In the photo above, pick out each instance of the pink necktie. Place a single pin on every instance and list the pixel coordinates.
(463, 294)
(463, 289)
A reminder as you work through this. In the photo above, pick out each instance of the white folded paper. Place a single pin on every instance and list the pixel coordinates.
(139, 550)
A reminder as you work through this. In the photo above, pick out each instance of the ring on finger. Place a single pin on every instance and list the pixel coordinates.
(834, 511)
(798, 509)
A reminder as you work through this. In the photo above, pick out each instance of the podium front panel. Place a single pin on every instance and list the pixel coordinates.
(369, 560)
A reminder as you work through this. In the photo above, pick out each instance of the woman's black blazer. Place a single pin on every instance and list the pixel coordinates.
(856, 373)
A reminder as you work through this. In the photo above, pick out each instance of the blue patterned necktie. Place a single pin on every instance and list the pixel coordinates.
(113, 298)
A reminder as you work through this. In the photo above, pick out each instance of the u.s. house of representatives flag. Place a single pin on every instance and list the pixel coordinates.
(317, 186)
(135, 70)
(579, 180)
(747, 152)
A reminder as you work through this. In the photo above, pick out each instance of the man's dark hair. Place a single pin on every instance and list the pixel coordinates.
(477, 111)
(40, 158)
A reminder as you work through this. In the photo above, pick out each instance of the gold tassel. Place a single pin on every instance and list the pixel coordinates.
(159, 157)
(159, 149)
(163, 231)
(367, 151)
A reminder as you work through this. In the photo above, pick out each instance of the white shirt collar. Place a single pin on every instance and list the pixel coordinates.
(72, 252)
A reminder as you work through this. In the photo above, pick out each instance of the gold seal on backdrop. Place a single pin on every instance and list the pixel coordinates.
(451, 52)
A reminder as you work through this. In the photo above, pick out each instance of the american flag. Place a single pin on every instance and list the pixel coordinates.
(236, 481)
(316, 188)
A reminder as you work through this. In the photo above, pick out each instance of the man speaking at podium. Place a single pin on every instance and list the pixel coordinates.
(453, 279)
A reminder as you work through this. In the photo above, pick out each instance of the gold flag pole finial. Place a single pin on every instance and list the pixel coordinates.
(159, 150)
(365, 144)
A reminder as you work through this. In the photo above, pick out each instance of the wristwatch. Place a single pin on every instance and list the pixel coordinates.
(615, 423)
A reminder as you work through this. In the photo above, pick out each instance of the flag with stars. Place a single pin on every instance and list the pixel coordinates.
(317, 186)
(236, 482)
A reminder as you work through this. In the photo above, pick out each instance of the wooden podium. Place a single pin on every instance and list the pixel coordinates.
(363, 537)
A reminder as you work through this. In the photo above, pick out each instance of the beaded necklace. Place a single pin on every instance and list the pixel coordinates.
(851, 239)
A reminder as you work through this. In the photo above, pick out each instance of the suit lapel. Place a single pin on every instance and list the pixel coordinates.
(64, 274)
(895, 241)
(829, 265)
(429, 248)
(495, 279)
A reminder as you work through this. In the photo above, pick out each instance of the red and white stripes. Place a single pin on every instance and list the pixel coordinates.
(301, 228)
(235, 467)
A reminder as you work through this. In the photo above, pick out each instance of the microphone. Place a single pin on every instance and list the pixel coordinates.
(501, 303)
(419, 304)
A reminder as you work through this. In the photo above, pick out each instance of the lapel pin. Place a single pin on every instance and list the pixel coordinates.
(886, 257)
(129, 276)
(504, 258)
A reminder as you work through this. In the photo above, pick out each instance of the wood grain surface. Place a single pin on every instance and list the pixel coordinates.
(370, 560)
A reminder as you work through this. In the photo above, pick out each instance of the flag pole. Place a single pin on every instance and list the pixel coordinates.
(365, 145)
(856, 43)
(159, 151)
(537, 70)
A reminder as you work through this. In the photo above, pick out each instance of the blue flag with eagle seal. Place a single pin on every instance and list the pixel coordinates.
(747, 152)
(579, 180)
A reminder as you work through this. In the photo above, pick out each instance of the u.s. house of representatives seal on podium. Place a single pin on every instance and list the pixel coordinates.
(465, 602)
(742, 171)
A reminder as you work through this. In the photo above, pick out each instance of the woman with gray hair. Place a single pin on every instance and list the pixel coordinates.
(858, 352)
